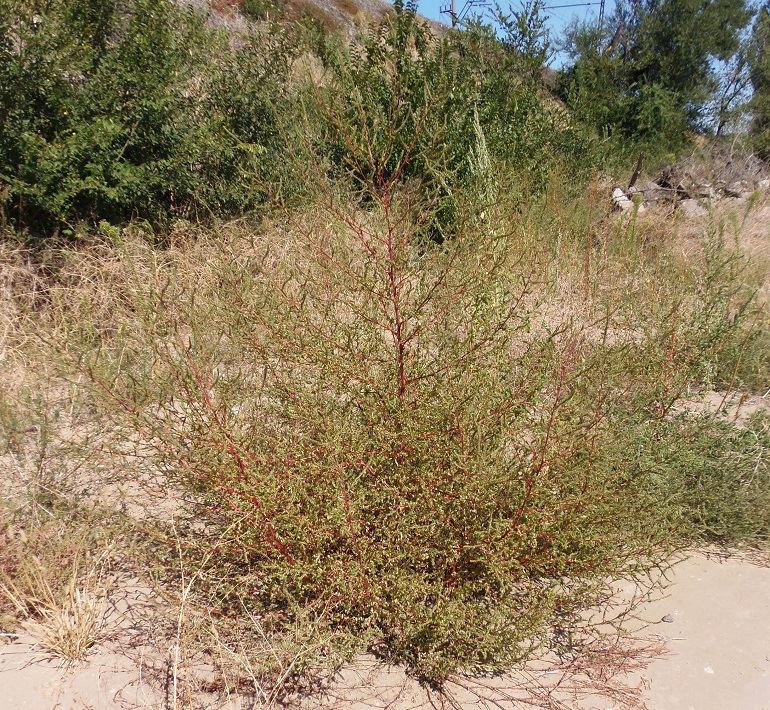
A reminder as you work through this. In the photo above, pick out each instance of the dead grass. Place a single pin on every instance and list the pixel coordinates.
(63, 609)
(349, 7)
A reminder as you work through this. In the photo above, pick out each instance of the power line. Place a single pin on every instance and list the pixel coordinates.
(451, 10)
(578, 4)
(456, 16)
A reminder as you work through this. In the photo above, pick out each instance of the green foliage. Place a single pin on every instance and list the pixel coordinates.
(382, 412)
(387, 92)
(526, 38)
(470, 110)
(110, 111)
(759, 68)
(262, 9)
(349, 425)
(675, 42)
(652, 78)
(93, 119)
(244, 114)
(716, 474)
(136, 109)
(398, 437)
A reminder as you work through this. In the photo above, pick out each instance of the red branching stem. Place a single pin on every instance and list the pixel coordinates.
(352, 531)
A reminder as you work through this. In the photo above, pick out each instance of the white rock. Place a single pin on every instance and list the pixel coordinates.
(621, 200)
(691, 208)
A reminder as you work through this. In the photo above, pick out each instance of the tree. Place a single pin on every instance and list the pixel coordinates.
(759, 71)
(728, 108)
(657, 72)
(110, 110)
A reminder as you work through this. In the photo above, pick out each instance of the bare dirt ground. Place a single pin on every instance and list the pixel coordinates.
(706, 640)
(719, 638)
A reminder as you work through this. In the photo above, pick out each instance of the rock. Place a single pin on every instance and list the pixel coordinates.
(763, 184)
(692, 208)
(668, 619)
(672, 181)
(621, 200)
(702, 190)
(655, 193)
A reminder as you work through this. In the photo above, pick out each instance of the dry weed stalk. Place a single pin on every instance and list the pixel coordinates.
(67, 624)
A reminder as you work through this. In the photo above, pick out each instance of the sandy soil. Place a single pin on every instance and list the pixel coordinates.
(719, 638)
(714, 620)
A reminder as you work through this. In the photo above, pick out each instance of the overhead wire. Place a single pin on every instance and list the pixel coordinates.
(577, 4)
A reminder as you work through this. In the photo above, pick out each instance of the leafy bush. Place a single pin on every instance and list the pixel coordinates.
(96, 121)
(389, 434)
(646, 76)
(425, 451)
(117, 110)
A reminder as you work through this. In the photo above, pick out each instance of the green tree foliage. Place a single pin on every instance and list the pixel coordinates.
(759, 67)
(95, 117)
(650, 73)
(528, 133)
(112, 110)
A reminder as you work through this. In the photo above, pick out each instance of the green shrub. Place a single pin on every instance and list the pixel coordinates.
(96, 121)
(390, 434)
(119, 110)
(466, 108)
(352, 432)
(416, 446)
(134, 109)
(715, 474)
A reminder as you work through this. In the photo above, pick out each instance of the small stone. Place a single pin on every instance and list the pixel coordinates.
(668, 619)
(691, 208)
(621, 200)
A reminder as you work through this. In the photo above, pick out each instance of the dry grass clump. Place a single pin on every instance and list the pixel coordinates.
(54, 582)
(723, 165)
(66, 623)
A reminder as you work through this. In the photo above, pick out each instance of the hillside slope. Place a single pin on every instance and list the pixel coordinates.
(345, 17)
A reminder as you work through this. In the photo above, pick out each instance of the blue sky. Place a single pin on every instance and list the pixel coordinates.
(558, 16)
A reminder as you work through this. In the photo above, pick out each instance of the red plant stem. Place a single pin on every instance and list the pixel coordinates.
(395, 296)
(351, 529)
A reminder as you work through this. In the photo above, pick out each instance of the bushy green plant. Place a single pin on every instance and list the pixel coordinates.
(133, 109)
(114, 110)
(95, 117)
(714, 474)
(376, 429)
(372, 433)
(745, 366)
(414, 445)
(262, 9)
(470, 109)
(758, 56)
